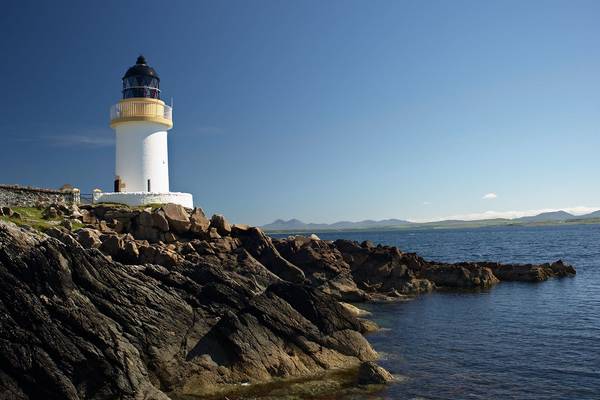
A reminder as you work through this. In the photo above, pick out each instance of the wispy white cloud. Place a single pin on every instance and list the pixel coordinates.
(489, 196)
(85, 137)
(80, 140)
(426, 203)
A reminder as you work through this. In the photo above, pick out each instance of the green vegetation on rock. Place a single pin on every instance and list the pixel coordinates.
(33, 217)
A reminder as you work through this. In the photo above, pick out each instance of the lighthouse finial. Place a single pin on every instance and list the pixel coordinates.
(141, 60)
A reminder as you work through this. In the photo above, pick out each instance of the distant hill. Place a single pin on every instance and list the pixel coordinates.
(295, 224)
(554, 217)
(595, 214)
(548, 216)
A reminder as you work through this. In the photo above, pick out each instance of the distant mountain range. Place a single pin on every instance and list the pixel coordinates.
(549, 216)
(295, 224)
(554, 217)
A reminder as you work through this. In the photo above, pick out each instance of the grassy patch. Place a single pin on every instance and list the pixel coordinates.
(30, 213)
(31, 216)
(77, 225)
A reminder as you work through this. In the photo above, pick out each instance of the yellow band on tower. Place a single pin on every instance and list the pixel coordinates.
(141, 109)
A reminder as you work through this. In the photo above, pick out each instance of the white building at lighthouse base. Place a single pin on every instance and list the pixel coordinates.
(135, 199)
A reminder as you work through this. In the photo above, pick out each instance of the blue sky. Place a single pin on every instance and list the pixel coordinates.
(318, 110)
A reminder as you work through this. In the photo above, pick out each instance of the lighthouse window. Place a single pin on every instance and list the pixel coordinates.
(141, 86)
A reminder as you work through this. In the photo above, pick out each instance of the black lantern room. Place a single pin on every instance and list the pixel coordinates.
(141, 80)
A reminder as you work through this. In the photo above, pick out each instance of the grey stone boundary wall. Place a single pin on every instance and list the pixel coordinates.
(25, 196)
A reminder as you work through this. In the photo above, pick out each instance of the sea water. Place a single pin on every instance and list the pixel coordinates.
(514, 341)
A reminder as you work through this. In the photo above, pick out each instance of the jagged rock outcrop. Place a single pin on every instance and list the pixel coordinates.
(370, 373)
(352, 270)
(531, 273)
(76, 324)
(348, 270)
(140, 303)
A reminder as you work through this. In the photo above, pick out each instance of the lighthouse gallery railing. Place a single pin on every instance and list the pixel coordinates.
(142, 108)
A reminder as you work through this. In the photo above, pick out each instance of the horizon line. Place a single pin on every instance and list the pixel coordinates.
(490, 214)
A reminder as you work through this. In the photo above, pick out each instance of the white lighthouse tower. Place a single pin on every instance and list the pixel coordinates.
(141, 121)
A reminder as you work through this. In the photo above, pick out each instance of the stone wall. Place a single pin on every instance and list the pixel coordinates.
(24, 196)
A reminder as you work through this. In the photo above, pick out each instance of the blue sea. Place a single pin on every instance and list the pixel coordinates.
(514, 341)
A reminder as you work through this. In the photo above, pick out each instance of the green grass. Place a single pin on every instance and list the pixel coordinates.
(77, 225)
(31, 213)
(31, 216)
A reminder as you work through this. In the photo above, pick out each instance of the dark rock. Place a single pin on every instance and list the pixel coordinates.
(371, 373)
(143, 232)
(68, 224)
(74, 211)
(130, 254)
(78, 325)
(89, 238)
(220, 224)
(159, 221)
(113, 246)
(147, 254)
(104, 228)
(224, 245)
(64, 235)
(197, 306)
(51, 213)
(560, 269)
(239, 228)
(122, 220)
(121, 226)
(186, 248)
(202, 246)
(213, 234)
(176, 215)
(169, 237)
(460, 275)
(100, 210)
(368, 326)
(529, 272)
(88, 217)
(261, 248)
(166, 258)
(199, 222)
(145, 219)
(323, 265)
(356, 272)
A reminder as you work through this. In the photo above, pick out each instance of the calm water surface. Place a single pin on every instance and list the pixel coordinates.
(515, 341)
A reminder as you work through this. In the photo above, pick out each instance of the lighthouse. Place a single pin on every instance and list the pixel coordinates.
(141, 121)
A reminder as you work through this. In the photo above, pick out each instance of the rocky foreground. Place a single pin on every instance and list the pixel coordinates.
(150, 303)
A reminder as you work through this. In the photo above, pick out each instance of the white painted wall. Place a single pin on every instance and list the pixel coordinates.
(144, 198)
(142, 154)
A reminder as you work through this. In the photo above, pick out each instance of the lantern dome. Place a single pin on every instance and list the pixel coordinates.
(141, 81)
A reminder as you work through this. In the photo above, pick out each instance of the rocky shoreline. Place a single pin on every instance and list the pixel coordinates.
(159, 302)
